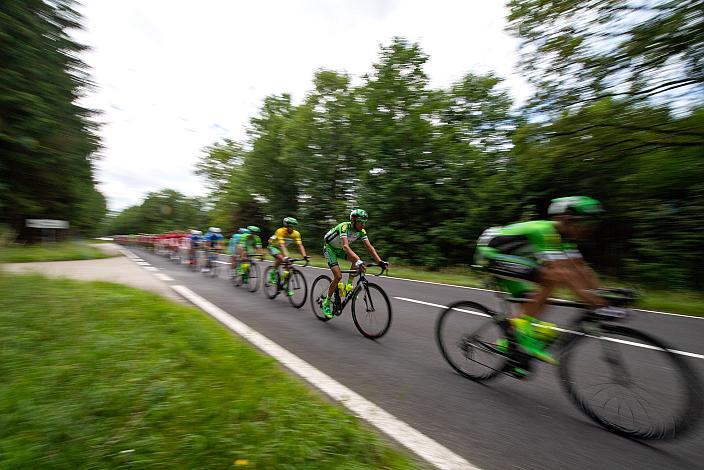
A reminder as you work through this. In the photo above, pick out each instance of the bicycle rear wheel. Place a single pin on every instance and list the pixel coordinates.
(467, 335)
(297, 284)
(632, 384)
(271, 290)
(317, 292)
(253, 277)
(373, 318)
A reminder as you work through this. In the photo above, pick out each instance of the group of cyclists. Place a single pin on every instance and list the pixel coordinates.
(528, 260)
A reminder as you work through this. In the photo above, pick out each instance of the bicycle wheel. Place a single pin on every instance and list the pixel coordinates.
(297, 284)
(271, 290)
(466, 333)
(317, 292)
(253, 277)
(631, 383)
(373, 318)
(236, 276)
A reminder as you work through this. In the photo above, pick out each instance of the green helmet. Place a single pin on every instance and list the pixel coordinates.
(290, 221)
(360, 214)
(253, 229)
(580, 206)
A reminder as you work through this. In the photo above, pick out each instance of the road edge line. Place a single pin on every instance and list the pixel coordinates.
(412, 439)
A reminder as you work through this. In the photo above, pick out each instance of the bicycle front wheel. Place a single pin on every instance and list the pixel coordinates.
(317, 293)
(467, 336)
(271, 289)
(253, 277)
(373, 315)
(297, 284)
(631, 383)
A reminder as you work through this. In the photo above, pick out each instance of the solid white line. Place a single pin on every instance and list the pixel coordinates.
(630, 343)
(426, 448)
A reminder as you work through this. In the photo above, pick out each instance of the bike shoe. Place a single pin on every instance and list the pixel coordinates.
(327, 308)
(290, 293)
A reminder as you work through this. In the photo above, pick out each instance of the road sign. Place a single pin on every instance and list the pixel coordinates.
(46, 223)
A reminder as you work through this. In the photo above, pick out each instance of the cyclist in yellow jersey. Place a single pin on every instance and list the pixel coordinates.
(278, 242)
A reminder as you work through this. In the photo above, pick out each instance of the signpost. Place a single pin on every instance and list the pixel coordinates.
(48, 227)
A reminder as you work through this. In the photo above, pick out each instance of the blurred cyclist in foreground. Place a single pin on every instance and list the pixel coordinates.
(543, 252)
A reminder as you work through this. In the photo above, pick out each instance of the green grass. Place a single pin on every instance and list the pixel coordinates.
(675, 301)
(61, 251)
(103, 376)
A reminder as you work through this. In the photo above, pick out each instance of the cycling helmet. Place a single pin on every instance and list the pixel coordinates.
(580, 206)
(360, 214)
(290, 221)
(242, 230)
(195, 232)
(253, 229)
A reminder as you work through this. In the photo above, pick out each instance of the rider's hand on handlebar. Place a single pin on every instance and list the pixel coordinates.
(384, 264)
(360, 265)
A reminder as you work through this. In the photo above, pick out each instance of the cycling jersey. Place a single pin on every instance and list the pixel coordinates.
(212, 239)
(514, 253)
(234, 241)
(343, 230)
(195, 240)
(250, 241)
(332, 248)
(282, 236)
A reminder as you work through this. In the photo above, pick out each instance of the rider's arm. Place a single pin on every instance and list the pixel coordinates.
(351, 255)
(371, 250)
(299, 242)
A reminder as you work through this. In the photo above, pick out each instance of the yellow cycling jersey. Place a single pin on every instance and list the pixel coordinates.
(282, 236)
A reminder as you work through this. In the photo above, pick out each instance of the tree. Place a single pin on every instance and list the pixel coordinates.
(580, 51)
(47, 141)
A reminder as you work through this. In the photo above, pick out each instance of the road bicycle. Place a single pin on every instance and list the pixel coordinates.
(247, 272)
(371, 308)
(623, 379)
(211, 263)
(291, 279)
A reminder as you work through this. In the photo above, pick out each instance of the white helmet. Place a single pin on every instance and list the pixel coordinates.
(215, 229)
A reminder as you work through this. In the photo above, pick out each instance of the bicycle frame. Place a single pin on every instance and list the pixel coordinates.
(361, 279)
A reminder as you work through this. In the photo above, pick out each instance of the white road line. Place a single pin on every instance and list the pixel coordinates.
(614, 340)
(150, 268)
(415, 441)
(142, 263)
(164, 277)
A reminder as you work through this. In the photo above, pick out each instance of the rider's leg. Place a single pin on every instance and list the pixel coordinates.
(336, 278)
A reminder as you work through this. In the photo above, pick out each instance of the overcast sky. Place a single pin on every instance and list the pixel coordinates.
(175, 76)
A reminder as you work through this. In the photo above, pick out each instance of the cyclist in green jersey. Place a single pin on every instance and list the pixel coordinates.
(543, 252)
(337, 246)
(249, 244)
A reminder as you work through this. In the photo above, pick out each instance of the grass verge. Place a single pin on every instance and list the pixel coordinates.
(104, 375)
(675, 301)
(61, 251)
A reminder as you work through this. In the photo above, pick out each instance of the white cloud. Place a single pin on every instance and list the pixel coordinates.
(175, 76)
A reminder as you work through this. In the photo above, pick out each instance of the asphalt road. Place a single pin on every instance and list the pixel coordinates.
(504, 424)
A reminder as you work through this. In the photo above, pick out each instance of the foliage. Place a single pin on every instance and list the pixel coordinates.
(579, 51)
(160, 211)
(436, 167)
(47, 141)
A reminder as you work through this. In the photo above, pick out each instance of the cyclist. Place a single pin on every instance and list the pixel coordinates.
(278, 242)
(195, 240)
(232, 247)
(213, 244)
(337, 246)
(543, 252)
(250, 243)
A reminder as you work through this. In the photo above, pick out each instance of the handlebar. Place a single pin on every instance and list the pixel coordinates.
(293, 261)
(368, 265)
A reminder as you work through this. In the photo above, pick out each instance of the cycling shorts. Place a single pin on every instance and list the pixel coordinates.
(332, 254)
